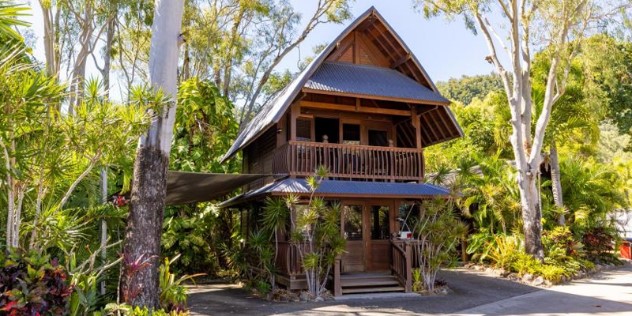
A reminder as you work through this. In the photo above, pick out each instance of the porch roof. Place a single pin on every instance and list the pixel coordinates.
(350, 189)
(371, 82)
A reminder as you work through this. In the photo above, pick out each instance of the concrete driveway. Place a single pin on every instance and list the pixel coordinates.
(474, 293)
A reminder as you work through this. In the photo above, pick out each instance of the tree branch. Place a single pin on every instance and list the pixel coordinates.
(84, 174)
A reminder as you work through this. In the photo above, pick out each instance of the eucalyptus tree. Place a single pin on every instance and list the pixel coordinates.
(528, 24)
(72, 32)
(235, 43)
(141, 251)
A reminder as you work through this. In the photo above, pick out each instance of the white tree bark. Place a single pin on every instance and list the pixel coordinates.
(517, 84)
(141, 252)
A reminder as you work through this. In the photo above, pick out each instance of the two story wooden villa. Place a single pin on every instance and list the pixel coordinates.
(366, 109)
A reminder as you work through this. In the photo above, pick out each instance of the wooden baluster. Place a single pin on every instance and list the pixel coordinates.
(326, 152)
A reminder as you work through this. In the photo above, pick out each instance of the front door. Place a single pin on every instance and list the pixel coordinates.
(367, 228)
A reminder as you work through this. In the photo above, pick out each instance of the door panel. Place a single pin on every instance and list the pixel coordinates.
(367, 228)
(378, 246)
(353, 230)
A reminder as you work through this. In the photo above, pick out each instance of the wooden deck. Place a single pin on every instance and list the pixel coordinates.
(301, 158)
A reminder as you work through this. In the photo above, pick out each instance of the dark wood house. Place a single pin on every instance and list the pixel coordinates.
(366, 109)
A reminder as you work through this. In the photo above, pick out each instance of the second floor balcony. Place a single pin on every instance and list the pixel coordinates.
(353, 162)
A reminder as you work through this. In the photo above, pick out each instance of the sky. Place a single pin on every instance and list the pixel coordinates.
(446, 49)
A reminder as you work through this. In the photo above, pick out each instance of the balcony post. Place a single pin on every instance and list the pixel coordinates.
(409, 267)
(337, 283)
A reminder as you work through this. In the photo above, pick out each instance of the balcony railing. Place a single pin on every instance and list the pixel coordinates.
(344, 161)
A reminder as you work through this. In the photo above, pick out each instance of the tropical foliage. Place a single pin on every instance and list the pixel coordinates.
(60, 243)
(314, 233)
(593, 160)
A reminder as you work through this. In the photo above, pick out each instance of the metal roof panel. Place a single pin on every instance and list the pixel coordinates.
(370, 81)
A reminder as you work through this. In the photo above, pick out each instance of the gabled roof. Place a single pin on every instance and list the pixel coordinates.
(372, 82)
(407, 64)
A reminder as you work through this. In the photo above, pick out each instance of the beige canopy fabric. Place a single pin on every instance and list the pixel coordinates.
(191, 187)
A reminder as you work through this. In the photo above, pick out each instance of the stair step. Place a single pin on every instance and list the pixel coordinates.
(365, 276)
(369, 282)
(372, 289)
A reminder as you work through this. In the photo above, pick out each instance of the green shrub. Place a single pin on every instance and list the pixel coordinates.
(479, 244)
(417, 281)
(504, 251)
(560, 243)
(552, 273)
(33, 284)
(438, 232)
(127, 310)
(524, 263)
(599, 243)
(173, 294)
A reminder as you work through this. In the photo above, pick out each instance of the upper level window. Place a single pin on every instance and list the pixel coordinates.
(304, 129)
(378, 138)
(351, 134)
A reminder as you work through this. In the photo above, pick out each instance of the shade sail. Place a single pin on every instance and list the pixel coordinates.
(191, 187)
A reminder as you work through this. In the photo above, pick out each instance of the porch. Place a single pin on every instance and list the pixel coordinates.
(347, 161)
(397, 278)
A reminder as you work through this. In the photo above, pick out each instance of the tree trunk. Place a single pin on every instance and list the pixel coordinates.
(105, 73)
(556, 183)
(50, 40)
(531, 214)
(141, 252)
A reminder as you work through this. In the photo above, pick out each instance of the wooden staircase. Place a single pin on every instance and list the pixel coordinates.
(369, 282)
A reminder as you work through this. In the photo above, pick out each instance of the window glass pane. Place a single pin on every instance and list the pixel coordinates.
(379, 222)
(353, 222)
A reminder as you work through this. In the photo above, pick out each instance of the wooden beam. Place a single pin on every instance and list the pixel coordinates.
(417, 125)
(423, 117)
(341, 48)
(378, 42)
(351, 108)
(295, 111)
(394, 48)
(375, 97)
(443, 123)
(402, 60)
(437, 121)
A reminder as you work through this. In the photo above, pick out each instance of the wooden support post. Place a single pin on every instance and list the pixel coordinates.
(337, 283)
(416, 122)
(409, 267)
(295, 111)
